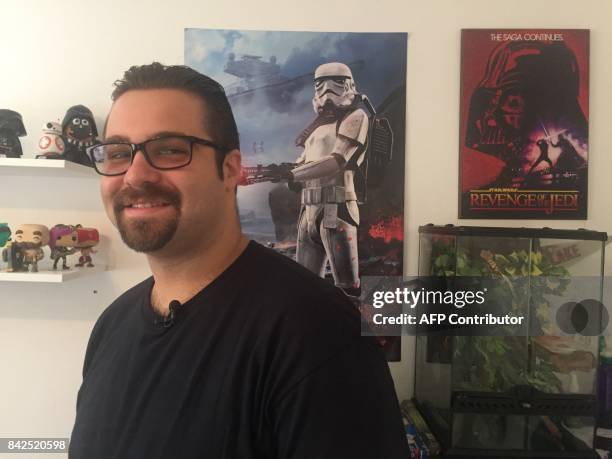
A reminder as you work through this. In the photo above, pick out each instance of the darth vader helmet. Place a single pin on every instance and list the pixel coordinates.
(526, 85)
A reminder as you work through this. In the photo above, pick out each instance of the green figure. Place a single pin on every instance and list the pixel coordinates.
(5, 234)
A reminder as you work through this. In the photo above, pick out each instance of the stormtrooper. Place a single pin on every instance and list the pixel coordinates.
(334, 146)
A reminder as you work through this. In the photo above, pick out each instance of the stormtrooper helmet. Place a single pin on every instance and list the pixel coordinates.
(334, 87)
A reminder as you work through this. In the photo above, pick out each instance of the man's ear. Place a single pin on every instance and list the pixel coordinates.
(232, 166)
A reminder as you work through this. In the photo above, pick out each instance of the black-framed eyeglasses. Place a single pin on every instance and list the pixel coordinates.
(163, 153)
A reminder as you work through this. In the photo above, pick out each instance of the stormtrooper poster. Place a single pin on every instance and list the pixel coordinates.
(321, 118)
(524, 124)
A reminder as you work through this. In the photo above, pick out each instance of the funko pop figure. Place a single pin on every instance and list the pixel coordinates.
(51, 144)
(80, 132)
(11, 254)
(11, 128)
(31, 239)
(87, 239)
(63, 239)
(5, 234)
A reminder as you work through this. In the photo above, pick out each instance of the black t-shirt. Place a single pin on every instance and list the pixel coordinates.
(267, 361)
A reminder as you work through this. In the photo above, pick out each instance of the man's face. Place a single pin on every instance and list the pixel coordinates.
(173, 209)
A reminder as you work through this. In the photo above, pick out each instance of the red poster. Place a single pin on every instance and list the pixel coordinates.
(524, 123)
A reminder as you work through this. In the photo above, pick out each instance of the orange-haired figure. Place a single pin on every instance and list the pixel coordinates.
(87, 239)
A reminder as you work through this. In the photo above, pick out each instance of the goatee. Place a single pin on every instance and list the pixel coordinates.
(146, 234)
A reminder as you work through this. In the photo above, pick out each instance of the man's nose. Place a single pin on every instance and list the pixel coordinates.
(141, 171)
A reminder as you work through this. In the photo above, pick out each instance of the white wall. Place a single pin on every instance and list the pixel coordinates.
(57, 54)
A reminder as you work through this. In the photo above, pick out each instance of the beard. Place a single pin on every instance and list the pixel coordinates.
(146, 234)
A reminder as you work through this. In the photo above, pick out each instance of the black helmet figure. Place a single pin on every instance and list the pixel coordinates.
(80, 132)
(11, 128)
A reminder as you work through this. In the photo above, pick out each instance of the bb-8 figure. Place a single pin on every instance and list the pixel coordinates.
(51, 144)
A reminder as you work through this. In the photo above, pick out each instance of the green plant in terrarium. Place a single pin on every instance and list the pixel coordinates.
(498, 363)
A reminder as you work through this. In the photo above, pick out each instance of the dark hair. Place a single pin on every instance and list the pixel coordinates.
(220, 123)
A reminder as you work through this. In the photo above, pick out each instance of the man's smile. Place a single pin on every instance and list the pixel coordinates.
(146, 204)
(145, 201)
(142, 208)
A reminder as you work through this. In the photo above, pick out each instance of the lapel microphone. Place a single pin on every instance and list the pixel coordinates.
(168, 320)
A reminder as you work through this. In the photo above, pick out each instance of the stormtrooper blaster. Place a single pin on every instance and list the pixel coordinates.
(272, 173)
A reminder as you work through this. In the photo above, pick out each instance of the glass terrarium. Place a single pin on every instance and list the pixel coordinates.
(531, 394)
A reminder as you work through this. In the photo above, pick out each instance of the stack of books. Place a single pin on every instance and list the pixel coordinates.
(421, 441)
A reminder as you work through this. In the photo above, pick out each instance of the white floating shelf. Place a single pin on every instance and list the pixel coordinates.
(44, 168)
(50, 276)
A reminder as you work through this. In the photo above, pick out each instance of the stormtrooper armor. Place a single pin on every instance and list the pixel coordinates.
(334, 146)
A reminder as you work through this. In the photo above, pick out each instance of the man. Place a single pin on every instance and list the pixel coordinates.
(229, 350)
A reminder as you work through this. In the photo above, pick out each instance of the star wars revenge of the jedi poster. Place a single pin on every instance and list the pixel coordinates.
(524, 124)
(321, 118)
